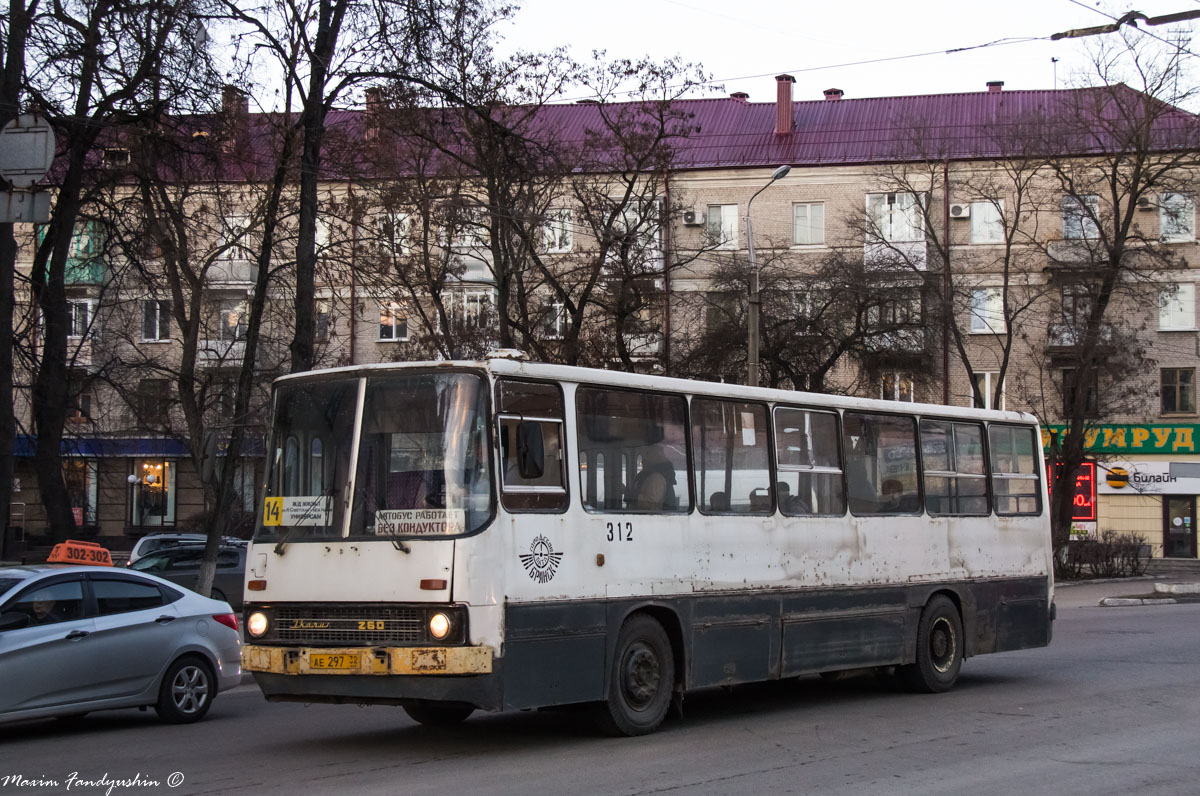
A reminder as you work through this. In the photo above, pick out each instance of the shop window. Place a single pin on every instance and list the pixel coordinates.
(80, 477)
(154, 493)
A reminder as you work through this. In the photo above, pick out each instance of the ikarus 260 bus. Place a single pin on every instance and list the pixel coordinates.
(493, 535)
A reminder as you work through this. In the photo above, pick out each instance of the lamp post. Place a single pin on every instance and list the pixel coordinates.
(752, 330)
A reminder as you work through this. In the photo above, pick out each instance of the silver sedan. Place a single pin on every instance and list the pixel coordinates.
(77, 639)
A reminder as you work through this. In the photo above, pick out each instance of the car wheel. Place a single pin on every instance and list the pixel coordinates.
(217, 594)
(641, 681)
(438, 714)
(939, 648)
(187, 691)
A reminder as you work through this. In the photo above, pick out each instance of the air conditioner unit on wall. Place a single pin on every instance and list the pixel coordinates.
(693, 218)
(960, 210)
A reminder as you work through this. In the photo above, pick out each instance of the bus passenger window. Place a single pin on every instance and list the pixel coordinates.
(732, 464)
(1016, 487)
(632, 451)
(881, 464)
(952, 458)
(530, 416)
(810, 469)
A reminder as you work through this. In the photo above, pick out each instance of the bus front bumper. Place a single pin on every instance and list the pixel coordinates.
(367, 660)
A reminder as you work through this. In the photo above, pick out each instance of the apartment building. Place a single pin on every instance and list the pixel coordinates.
(940, 248)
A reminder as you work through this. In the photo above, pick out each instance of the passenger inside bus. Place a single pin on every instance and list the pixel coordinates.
(653, 488)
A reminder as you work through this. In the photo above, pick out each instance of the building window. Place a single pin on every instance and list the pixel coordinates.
(156, 320)
(808, 224)
(902, 309)
(469, 228)
(986, 381)
(79, 402)
(1176, 218)
(987, 222)
(1177, 308)
(1178, 391)
(234, 243)
(557, 232)
(470, 309)
(895, 217)
(987, 311)
(556, 321)
(394, 230)
(1088, 383)
(152, 401)
(1079, 215)
(153, 492)
(79, 316)
(79, 475)
(722, 223)
(321, 320)
(1076, 305)
(896, 387)
(232, 318)
(393, 324)
(116, 156)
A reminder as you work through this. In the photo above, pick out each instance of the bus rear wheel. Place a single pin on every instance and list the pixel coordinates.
(939, 648)
(438, 714)
(641, 681)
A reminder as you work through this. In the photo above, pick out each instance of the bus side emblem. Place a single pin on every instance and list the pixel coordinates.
(541, 562)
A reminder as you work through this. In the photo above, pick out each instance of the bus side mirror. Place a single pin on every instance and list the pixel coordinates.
(531, 453)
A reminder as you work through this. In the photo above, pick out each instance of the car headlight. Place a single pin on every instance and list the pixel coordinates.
(439, 626)
(256, 624)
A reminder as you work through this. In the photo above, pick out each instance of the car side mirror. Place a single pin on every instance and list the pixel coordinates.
(13, 620)
(531, 451)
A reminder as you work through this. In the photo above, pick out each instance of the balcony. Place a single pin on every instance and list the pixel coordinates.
(82, 272)
(896, 255)
(644, 346)
(232, 273)
(1067, 337)
(215, 352)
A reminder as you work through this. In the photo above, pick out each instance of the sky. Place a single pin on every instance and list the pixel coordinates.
(743, 44)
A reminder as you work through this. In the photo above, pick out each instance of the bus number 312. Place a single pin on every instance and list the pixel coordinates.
(620, 531)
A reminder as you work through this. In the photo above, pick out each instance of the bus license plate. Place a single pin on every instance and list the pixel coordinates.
(334, 661)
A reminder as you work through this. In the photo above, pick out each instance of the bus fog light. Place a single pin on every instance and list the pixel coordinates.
(256, 624)
(439, 626)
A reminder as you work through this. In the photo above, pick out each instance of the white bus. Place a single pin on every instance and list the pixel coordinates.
(492, 535)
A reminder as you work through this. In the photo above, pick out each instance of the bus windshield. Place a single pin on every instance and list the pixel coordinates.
(423, 466)
(310, 460)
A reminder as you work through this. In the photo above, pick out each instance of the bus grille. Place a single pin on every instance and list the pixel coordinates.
(349, 624)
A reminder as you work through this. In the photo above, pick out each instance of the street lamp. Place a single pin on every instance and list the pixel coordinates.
(752, 331)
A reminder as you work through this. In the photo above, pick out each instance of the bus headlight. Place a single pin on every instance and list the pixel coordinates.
(439, 626)
(256, 624)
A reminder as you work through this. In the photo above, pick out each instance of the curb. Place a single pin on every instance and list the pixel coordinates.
(1109, 602)
(1063, 584)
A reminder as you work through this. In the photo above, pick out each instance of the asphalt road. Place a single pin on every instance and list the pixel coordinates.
(1111, 707)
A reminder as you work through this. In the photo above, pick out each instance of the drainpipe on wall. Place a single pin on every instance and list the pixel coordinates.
(353, 263)
(666, 274)
(947, 304)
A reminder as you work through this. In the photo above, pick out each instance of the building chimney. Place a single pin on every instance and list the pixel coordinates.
(783, 103)
(833, 93)
(740, 96)
(234, 102)
(995, 86)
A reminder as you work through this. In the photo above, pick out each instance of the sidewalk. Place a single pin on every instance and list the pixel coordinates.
(1145, 590)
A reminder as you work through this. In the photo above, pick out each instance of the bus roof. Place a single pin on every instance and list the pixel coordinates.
(507, 366)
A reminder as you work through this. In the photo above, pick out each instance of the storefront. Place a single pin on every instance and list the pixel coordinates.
(1147, 483)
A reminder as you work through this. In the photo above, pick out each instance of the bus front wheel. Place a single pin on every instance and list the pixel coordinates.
(939, 648)
(438, 714)
(641, 680)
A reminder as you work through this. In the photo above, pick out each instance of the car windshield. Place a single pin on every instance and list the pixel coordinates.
(423, 464)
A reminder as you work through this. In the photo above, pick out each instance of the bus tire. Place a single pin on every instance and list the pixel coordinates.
(641, 681)
(939, 648)
(438, 714)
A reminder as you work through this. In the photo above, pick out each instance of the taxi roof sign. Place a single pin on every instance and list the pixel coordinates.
(75, 552)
